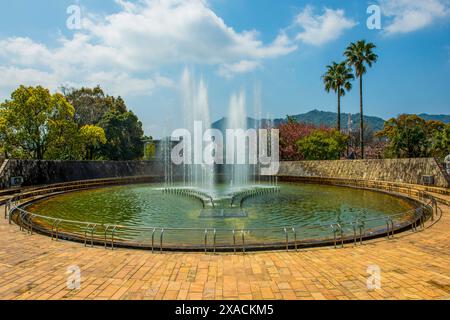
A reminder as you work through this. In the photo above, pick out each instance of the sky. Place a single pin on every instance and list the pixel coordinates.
(273, 51)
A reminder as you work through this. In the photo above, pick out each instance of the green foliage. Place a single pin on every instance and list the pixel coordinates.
(34, 121)
(34, 124)
(91, 104)
(124, 136)
(149, 151)
(410, 136)
(441, 142)
(337, 78)
(64, 143)
(359, 55)
(323, 145)
(91, 137)
(123, 130)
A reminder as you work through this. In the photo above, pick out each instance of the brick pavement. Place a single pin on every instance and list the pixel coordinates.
(413, 266)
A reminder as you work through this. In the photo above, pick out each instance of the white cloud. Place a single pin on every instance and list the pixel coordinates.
(411, 15)
(115, 50)
(13, 76)
(244, 66)
(320, 29)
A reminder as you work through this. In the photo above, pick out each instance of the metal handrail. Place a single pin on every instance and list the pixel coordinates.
(211, 229)
(287, 239)
(27, 220)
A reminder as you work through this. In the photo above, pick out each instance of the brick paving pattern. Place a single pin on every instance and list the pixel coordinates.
(413, 266)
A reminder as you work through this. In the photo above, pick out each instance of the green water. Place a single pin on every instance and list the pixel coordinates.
(303, 206)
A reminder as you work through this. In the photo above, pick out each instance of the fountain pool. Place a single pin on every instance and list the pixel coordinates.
(309, 209)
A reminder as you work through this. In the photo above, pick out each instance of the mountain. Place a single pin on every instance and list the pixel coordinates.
(445, 118)
(327, 118)
(251, 123)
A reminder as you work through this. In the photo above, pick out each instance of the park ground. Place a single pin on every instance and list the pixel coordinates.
(413, 266)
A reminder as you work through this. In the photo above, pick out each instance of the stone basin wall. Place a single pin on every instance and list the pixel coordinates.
(48, 172)
(393, 170)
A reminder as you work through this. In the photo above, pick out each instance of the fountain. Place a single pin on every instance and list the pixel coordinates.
(208, 206)
(196, 109)
(199, 178)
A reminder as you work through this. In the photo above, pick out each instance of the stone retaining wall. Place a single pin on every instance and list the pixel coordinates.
(48, 172)
(394, 170)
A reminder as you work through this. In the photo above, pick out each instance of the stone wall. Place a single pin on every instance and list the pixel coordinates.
(394, 170)
(48, 172)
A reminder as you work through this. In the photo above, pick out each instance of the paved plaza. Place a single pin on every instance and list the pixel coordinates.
(413, 266)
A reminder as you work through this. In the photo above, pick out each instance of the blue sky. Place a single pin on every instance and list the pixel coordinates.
(139, 50)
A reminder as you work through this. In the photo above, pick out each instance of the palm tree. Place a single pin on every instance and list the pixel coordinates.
(337, 78)
(359, 55)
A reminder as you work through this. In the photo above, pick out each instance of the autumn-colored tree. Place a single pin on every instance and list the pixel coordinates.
(292, 131)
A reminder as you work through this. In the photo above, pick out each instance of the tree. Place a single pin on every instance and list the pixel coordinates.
(33, 120)
(124, 136)
(149, 149)
(441, 142)
(290, 132)
(64, 141)
(122, 128)
(323, 145)
(91, 104)
(410, 136)
(337, 78)
(92, 137)
(4, 134)
(359, 55)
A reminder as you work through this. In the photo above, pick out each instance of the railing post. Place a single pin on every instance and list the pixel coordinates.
(161, 240)
(9, 212)
(106, 231)
(387, 229)
(214, 241)
(234, 240)
(153, 239)
(57, 229)
(295, 238)
(287, 239)
(334, 235)
(31, 224)
(112, 238)
(206, 239)
(92, 235)
(85, 235)
(434, 208)
(361, 227)
(243, 241)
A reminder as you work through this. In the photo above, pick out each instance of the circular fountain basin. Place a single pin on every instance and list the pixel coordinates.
(307, 212)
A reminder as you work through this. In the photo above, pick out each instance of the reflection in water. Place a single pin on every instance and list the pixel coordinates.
(297, 205)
